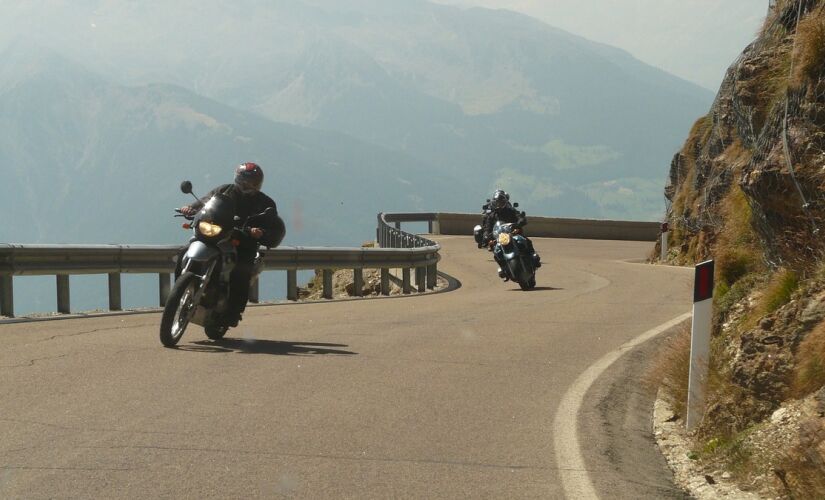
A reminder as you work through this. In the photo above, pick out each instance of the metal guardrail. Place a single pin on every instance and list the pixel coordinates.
(399, 250)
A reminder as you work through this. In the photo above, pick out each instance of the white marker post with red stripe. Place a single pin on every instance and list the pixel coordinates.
(700, 342)
(664, 242)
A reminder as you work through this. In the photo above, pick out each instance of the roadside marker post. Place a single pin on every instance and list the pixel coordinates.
(665, 229)
(700, 342)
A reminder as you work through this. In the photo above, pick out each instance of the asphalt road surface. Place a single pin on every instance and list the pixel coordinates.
(451, 395)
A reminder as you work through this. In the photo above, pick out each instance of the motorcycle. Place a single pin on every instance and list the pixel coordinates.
(201, 290)
(511, 250)
(478, 230)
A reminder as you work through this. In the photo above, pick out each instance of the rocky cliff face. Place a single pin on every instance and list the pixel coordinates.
(763, 138)
(748, 190)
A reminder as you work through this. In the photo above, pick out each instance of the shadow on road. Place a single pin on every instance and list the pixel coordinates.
(536, 289)
(256, 346)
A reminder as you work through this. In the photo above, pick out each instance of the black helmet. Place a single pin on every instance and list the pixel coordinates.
(500, 199)
(249, 178)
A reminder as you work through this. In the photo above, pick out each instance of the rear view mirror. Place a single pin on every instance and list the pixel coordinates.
(186, 187)
(515, 205)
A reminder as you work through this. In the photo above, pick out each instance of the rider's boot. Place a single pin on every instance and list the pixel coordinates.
(537, 260)
(231, 319)
(502, 275)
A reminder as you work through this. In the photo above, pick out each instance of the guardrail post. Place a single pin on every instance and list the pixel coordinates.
(405, 281)
(398, 225)
(254, 291)
(432, 276)
(385, 281)
(164, 285)
(358, 282)
(327, 275)
(421, 279)
(63, 294)
(292, 284)
(7, 295)
(115, 302)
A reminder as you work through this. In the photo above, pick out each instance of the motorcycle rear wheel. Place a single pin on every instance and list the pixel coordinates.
(178, 310)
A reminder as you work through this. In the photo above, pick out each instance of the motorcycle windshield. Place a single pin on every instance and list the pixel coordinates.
(219, 210)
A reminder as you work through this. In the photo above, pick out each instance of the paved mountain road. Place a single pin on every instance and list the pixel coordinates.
(438, 396)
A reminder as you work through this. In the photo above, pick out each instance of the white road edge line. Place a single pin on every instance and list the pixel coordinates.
(569, 461)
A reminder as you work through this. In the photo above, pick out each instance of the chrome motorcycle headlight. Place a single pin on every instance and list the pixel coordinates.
(504, 239)
(208, 229)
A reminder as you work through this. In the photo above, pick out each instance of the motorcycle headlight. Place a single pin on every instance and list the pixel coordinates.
(208, 229)
(504, 239)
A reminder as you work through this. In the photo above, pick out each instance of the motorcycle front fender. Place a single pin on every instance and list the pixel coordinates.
(198, 257)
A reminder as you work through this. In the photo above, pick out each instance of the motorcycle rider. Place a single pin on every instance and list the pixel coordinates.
(478, 231)
(501, 210)
(248, 199)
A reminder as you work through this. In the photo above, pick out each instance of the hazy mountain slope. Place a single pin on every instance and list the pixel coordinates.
(85, 160)
(479, 92)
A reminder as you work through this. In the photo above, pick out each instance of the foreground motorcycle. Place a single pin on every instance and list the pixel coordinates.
(201, 291)
(511, 248)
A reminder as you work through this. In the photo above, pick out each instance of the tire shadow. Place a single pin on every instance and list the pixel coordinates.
(536, 289)
(259, 346)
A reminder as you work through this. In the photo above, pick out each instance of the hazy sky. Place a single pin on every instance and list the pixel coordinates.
(693, 39)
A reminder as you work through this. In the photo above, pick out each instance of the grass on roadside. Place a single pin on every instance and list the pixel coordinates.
(670, 368)
(809, 374)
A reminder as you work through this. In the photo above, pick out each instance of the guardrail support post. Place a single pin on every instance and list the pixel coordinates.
(63, 295)
(398, 225)
(358, 282)
(254, 291)
(164, 285)
(292, 284)
(327, 283)
(421, 279)
(385, 281)
(432, 276)
(7, 295)
(115, 302)
(405, 281)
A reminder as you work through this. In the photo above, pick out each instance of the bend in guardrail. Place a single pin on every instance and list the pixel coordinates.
(398, 250)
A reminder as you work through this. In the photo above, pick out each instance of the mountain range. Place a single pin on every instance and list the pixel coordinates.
(351, 107)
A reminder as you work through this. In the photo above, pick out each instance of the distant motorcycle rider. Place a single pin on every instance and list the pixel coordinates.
(248, 199)
(501, 210)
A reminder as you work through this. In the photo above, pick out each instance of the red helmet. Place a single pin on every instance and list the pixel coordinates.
(249, 178)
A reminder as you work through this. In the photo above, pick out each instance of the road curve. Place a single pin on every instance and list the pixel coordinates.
(437, 396)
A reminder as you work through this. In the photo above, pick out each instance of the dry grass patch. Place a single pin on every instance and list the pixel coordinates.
(809, 54)
(809, 374)
(779, 291)
(670, 369)
(737, 248)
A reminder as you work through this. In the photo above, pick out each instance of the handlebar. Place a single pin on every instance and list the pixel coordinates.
(181, 214)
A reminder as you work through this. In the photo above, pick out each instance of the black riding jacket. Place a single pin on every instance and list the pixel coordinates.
(247, 206)
(506, 214)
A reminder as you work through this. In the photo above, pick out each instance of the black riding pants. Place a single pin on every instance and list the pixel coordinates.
(239, 281)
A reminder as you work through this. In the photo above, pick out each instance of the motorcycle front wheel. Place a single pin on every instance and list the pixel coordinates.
(178, 310)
